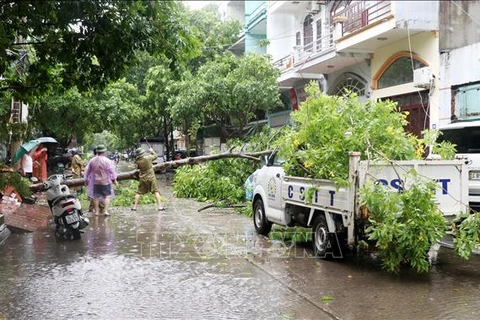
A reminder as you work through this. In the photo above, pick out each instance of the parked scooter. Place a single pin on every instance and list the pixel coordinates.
(66, 209)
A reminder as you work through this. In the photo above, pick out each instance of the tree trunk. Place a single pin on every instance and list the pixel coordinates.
(167, 165)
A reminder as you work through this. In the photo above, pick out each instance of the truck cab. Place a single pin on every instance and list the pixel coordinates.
(466, 136)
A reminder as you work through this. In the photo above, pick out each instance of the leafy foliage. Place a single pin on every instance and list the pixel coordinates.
(20, 184)
(445, 149)
(405, 224)
(222, 180)
(84, 43)
(227, 91)
(125, 195)
(467, 234)
(327, 128)
(214, 34)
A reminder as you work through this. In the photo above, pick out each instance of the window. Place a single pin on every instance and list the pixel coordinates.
(350, 82)
(466, 102)
(399, 72)
(466, 139)
(298, 39)
(308, 33)
(319, 35)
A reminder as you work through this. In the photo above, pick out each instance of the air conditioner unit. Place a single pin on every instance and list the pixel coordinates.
(422, 77)
(315, 6)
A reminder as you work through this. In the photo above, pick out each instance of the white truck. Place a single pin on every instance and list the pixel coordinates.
(466, 137)
(334, 214)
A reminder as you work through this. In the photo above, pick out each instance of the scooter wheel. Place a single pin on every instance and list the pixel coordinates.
(76, 235)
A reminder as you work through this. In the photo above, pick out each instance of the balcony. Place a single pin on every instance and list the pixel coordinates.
(364, 26)
(314, 49)
(313, 60)
(361, 14)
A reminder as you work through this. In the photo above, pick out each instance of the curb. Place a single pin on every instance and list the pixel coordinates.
(4, 232)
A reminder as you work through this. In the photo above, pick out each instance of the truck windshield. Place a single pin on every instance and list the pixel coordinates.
(467, 139)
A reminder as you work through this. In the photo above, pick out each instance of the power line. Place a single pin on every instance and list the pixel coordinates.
(465, 12)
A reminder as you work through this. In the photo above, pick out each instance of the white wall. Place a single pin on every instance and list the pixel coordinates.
(281, 31)
(460, 66)
(425, 45)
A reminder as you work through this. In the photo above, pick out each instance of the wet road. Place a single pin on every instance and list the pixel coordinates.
(184, 264)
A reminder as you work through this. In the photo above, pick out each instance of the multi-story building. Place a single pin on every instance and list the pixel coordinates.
(459, 77)
(422, 54)
(370, 47)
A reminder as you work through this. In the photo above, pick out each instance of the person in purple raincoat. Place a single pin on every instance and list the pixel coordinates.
(99, 175)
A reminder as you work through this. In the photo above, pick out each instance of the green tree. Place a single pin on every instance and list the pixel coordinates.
(122, 112)
(61, 44)
(228, 92)
(215, 35)
(158, 81)
(75, 114)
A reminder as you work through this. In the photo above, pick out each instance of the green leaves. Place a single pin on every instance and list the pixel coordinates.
(404, 225)
(227, 91)
(87, 43)
(220, 180)
(467, 235)
(327, 128)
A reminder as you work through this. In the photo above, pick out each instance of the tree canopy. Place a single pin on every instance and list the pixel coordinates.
(62, 44)
(228, 91)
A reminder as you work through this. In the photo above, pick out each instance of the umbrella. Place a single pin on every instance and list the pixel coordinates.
(46, 140)
(28, 146)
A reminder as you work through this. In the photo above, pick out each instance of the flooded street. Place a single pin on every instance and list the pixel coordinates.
(185, 264)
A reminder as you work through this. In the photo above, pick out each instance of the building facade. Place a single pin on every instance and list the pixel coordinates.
(372, 48)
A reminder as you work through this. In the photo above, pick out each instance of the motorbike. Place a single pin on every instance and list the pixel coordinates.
(65, 208)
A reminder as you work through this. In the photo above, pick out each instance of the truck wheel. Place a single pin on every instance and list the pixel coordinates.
(320, 237)
(262, 225)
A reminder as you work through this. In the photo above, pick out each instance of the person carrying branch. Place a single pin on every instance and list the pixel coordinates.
(148, 180)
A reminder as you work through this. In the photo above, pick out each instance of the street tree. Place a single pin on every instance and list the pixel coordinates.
(158, 83)
(61, 44)
(214, 34)
(228, 92)
(76, 115)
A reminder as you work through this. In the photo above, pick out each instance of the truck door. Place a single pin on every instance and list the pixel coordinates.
(271, 177)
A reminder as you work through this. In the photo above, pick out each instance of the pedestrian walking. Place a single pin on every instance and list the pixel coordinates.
(99, 175)
(148, 180)
(101, 205)
(40, 158)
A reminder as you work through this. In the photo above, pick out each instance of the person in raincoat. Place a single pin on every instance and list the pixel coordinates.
(148, 180)
(40, 158)
(100, 173)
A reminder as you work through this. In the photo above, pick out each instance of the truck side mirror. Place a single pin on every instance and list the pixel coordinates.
(265, 160)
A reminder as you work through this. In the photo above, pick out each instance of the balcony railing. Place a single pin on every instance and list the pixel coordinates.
(319, 46)
(323, 44)
(284, 63)
(363, 13)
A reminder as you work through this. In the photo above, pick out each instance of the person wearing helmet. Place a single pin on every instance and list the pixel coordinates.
(77, 167)
(99, 176)
(148, 180)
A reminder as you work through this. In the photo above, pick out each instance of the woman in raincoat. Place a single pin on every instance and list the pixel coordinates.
(40, 158)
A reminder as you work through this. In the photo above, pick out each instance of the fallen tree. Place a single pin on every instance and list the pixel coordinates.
(161, 167)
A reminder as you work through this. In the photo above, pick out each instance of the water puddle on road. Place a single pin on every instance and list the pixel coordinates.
(183, 264)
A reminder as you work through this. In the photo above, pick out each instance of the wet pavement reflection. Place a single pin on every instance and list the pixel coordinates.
(185, 264)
